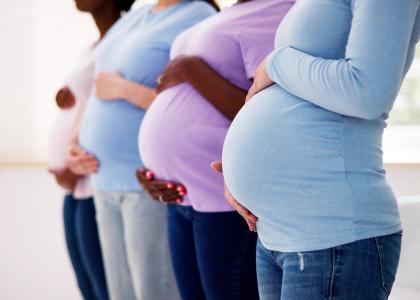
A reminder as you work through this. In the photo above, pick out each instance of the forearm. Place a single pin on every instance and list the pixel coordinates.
(226, 97)
(137, 94)
(365, 82)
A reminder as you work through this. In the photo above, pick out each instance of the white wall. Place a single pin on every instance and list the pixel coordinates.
(38, 41)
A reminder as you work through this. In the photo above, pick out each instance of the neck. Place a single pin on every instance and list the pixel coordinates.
(162, 4)
(105, 18)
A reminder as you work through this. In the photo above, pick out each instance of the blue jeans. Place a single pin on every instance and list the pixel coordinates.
(134, 241)
(83, 247)
(362, 270)
(213, 255)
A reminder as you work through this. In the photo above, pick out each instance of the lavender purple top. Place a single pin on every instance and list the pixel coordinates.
(182, 133)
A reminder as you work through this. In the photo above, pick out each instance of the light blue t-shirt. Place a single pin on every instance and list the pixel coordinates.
(305, 154)
(137, 47)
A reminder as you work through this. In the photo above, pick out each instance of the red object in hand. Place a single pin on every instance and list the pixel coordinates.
(149, 175)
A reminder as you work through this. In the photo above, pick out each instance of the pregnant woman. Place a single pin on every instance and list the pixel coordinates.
(201, 90)
(79, 212)
(132, 228)
(304, 154)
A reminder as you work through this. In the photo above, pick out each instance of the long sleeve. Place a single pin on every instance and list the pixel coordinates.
(366, 81)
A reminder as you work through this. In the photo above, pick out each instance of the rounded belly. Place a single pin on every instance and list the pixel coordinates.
(109, 131)
(281, 147)
(180, 136)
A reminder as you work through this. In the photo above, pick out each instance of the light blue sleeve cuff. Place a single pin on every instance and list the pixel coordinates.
(271, 63)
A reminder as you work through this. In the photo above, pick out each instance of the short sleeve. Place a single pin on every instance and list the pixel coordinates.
(256, 41)
(254, 49)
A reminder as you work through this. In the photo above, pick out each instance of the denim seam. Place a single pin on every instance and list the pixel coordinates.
(332, 274)
(380, 259)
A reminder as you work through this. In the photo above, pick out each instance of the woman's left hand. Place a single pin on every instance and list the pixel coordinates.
(261, 81)
(249, 217)
(109, 86)
(160, 190)
(175, 71)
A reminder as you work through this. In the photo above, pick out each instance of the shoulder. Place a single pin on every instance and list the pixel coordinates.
(137, 12)
(199, 8)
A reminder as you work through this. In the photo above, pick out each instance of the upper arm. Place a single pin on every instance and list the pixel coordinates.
(378, 45)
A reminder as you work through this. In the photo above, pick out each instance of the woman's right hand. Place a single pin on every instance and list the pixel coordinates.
(65, 178)
(163, 191)
(80, 162)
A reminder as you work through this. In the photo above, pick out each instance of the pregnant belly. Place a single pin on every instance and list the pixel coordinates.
(181, 133)
(282, 147)
(109, 130)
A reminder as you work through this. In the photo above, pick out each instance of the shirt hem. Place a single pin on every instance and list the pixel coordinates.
(330, 242)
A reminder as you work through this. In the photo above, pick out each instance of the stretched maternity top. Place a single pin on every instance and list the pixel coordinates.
(79, 80)
(305, 154)
(182, 133)
(137, 47)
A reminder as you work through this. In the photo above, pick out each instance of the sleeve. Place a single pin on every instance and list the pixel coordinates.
(257, 41)
(366, 81)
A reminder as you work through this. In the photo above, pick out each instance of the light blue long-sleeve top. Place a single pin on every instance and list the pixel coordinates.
(137, 47)
(305, 154)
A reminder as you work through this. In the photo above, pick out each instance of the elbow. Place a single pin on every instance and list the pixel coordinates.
(373, 103)
(371, 108)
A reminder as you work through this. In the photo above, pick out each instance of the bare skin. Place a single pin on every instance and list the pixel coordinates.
(261, 80)
(249, 217)
(164, 191)
(110, 86)
(226, 97)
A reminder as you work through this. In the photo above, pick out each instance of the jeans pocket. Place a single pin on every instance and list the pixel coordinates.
(389, 249)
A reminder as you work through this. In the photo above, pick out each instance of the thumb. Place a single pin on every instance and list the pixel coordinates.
(217, 166)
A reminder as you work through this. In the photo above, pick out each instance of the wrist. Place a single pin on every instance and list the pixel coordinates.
(190, 67)
(123, 88)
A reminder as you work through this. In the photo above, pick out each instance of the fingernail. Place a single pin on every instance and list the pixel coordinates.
(170, 185)
(181, 188)
(149, 175)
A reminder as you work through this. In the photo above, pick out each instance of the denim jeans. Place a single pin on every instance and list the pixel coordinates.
(133, 235)
(362, 270)
(213, 255)
(83, 247)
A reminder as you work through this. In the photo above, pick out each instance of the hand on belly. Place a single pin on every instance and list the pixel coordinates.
(249, 217)
(163, 191)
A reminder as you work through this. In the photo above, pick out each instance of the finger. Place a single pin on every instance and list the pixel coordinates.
(250, 94)
(141, 172)
(170, 195)
(217, 166)
(91, 165)
(246, 213)
(251, 226)
(145, 174)
(88, 159)
(172, 191)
